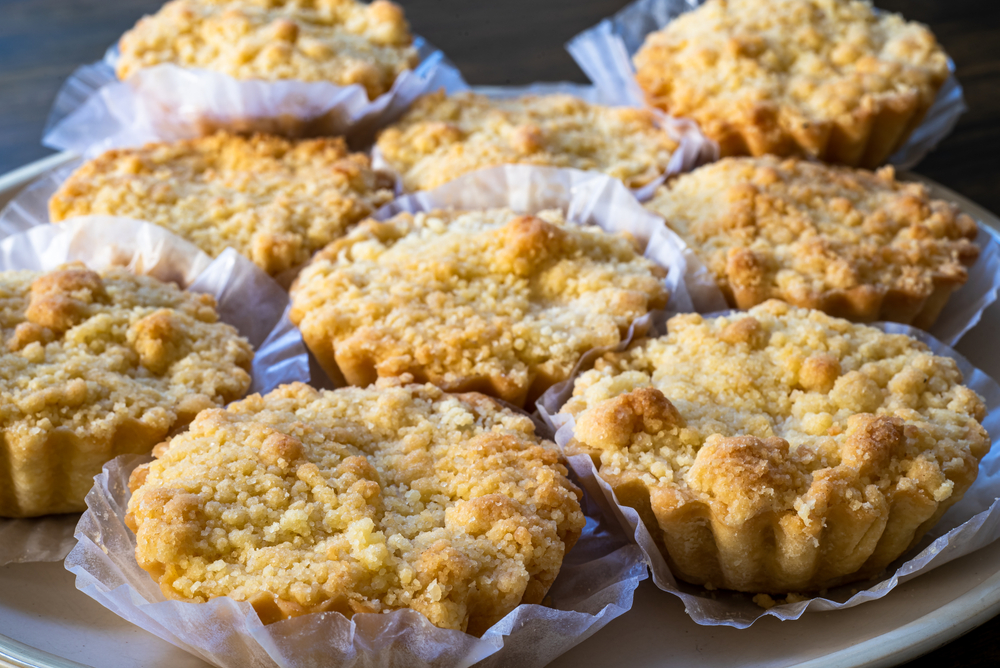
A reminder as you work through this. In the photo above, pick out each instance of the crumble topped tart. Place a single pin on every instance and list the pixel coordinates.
(443, 137)
(852, 243)
(828, 79)
(358, 500)
(780, 450)
(98, 365)
(275, 201)
(340, 41)
(487, 301)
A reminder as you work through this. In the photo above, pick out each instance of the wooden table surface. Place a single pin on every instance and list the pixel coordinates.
(518, 42)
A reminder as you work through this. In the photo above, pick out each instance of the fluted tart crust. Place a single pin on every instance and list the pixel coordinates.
(274, 200)
(487, 301)
(780, 450)
(358, 501)
(98, 365)
(341, 41)
(443, 137)
(853, 243)
(828, 79)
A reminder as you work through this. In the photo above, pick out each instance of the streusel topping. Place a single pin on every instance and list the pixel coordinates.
(275, 201)
(358, 500)
(486, 300)
(92, 359)
(757, 410)
(792, 66)
(341, 41)
(443, 137)
(808, 233)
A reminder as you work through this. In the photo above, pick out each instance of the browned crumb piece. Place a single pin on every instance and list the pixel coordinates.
(98, 365)
(358, 500)
(852, 243)
(488, 300)
(829, 79)
(443, 137)
(340, 41)
(275, 201)
(780, 450)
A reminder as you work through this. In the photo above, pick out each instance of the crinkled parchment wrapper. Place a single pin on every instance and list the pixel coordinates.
(585, 198)
(247, 299)
(94, 112)
(693, 148)
(604, 52)
(595, 585)
(972, 523)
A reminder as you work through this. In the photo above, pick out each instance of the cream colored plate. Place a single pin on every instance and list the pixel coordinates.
(44, 618)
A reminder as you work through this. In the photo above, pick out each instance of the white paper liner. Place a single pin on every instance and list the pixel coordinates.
(970, 524)
(693, 148)
(604, 52)
(595, 585)
(585, 198)
(247, 299)
(94, 112)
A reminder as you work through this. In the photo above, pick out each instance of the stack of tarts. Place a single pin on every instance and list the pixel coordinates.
(785, 447)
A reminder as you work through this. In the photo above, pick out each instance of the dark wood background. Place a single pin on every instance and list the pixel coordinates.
(517, 42)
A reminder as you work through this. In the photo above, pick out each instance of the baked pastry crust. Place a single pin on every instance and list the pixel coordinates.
(486, 301)
(780, 450)
(275, 201)
(358, 500)
(340, 41)
(855, 244)
(443, 137)
(98, 365)
(828, 79)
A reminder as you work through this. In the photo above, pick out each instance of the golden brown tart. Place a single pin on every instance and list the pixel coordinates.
(828, 79)
(853, 243)
(487, 301)
(780, 450)
(340, 41)
(358, 500)
(98, 365)
(443, 137)
(275, 201)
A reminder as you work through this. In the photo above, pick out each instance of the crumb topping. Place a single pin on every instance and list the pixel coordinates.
(485, 300)
(96, 365)
(784, 411)
(358, 500)
(790, 70)
(443, 137)
(832, 238)
(340, 41)
(275, 201)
